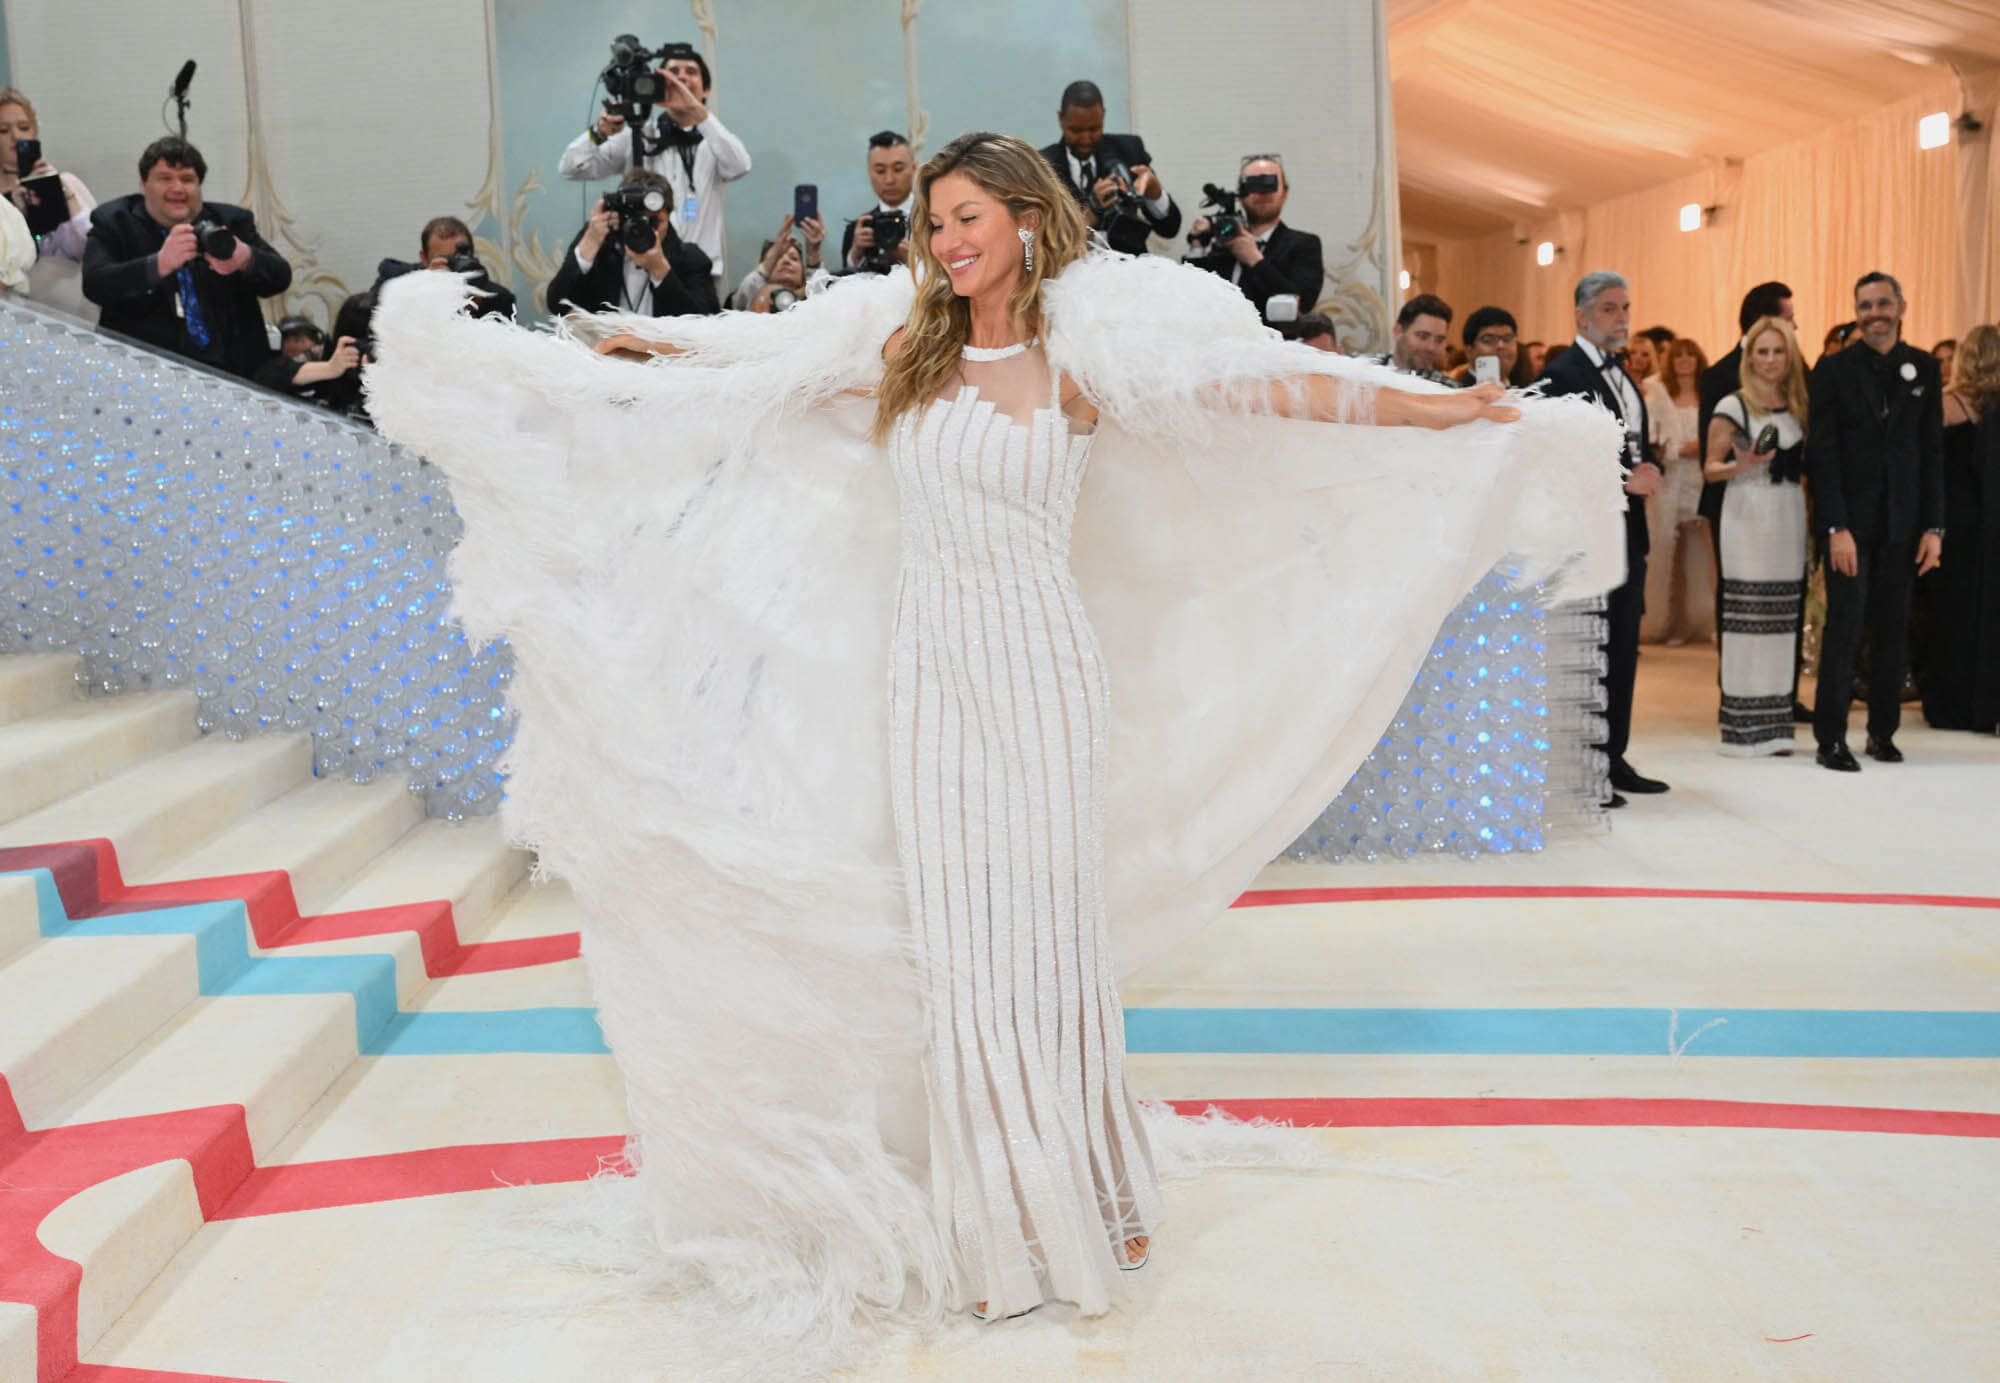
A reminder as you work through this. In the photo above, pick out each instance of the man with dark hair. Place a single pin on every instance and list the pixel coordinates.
(1594, 367)
(892, 172)
(309, 366)
(1491, 331)
(1422, 329)
(156, 280)
(1313, 329)
(1110, 175)
(443, 240)
(1875, 455)
(1266, 257)
(1661, 337)
(669, 278)
(689, 147)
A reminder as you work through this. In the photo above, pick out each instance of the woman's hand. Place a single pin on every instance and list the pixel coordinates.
(778, 244)
(1753, 458)
(1482, 401)
(626, 346)
(1690, 450)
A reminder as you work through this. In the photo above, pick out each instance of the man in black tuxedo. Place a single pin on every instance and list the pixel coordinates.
(892, 173)
(1875, 454)
(149, 273)
(670, 278)
(1126, 209)
(1267, 257)
(1595, 368)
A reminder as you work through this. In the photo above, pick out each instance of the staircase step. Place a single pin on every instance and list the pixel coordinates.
(167, 805)
(321, 835)
(272, 1054)
(20, 917)
(72, 746)
(70, 1007)
(532, 912)
(390, 907)
(122, 1232)
(18, 1345)
(31, 683)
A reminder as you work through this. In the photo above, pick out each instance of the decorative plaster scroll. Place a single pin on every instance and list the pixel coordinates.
(920, 119)
(525, 254)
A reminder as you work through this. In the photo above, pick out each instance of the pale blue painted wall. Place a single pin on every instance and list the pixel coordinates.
(804, 85)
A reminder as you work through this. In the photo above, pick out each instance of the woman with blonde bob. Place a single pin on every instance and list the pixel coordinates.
(1024, 474)
(1756, 449)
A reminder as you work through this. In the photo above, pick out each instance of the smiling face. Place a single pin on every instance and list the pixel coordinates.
(1419, 344)
(974, 237)
(1878, 307)
(173, 193)
(1683, 363)
(1639, 359)
(689, 71)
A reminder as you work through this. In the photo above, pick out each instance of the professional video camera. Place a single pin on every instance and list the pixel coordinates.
(1126, 202)
(217, 241)
(633, 80)
(1227, 222)
(891, 228)
(635, 208)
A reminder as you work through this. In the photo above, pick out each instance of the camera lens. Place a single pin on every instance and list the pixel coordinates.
(654, 200)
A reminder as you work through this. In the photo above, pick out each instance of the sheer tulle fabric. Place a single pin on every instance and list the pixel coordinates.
(698, 563)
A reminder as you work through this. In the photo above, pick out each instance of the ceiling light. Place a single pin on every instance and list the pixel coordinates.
(1406, 280)
(1934, 131)
(1691, 217)
(1545, 253)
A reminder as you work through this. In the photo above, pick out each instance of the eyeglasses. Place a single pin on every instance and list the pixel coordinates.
(1492, 338)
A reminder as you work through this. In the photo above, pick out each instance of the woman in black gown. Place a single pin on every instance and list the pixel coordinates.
(1958, 605)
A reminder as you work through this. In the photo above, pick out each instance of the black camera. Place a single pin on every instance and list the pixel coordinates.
(461, 260)
(891, 228)
(631, 80)
(635, 208)
(1227, 222)
(217, 241)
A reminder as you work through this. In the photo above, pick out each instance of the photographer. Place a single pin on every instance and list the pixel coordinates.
(892, 172)
(57, 206)
(181, 274)
(780, 278)
(444, 245)
(1264, 257)
(628, 258)
(688, 146)
(304, 367)
(1110, 175)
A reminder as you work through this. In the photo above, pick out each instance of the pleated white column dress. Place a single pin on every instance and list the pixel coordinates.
(999, 719)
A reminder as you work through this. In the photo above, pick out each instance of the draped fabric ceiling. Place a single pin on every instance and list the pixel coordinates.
(1589, 123)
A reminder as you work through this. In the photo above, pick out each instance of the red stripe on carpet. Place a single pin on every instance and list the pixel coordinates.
(429, 1172)
(482, 957)
(1282, 897)
(111, 1373)
(1602, 1113)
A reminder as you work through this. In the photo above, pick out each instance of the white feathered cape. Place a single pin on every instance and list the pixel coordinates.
(695, 561)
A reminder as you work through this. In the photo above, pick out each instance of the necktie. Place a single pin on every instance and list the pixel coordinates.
(1087, 174)
(197, 325)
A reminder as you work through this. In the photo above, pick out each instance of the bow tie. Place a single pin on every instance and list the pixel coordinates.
(1612, 358)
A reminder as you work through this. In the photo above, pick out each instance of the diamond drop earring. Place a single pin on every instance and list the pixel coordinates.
(1027, 250)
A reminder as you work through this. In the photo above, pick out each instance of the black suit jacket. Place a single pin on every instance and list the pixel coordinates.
(1574, 373)
(1292, 263)
(1718, 382)
(1877, 463)
(687, 291)
(136, 300)
(1127, 233)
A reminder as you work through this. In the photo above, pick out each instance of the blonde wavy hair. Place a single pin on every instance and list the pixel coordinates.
(1794, 388)
(1014, 173)
(1975, 370)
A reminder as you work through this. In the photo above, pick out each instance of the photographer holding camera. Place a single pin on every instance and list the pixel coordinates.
(304, 367)
(181, 274)
(1110, 175)
(783, 270)
(689, 147)
(1252, 247)
(878, 240)
(445, 246)
(628, 258)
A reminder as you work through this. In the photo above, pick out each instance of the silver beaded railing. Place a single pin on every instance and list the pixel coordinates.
(178, 528)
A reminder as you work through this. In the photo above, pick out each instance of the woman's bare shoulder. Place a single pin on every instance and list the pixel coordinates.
(1956, 408)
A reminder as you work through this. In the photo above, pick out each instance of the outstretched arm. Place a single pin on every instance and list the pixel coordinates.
(1317, 398)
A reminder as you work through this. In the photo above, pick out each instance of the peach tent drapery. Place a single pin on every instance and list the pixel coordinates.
(1816, 213)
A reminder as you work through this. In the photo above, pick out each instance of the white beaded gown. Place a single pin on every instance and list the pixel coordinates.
(999, 712)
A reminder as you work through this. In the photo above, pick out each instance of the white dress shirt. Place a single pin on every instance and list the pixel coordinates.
(638, 284)
(909, 205)
(719, 158)
(1627, 395)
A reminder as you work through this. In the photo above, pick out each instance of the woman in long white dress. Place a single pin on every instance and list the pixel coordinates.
(1680, 577)
(1756, 450)
(703, 577)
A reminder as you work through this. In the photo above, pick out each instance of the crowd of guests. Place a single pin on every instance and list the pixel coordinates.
(1741, 476)
(1745, 476)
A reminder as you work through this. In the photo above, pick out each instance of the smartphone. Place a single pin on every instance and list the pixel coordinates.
(1486, 370)
(805, 202)
(27, 153)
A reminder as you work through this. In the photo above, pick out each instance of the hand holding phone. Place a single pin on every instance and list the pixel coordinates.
(805, 202)
(1486, 370)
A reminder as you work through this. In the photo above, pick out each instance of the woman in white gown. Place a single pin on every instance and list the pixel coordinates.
(748, 952)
